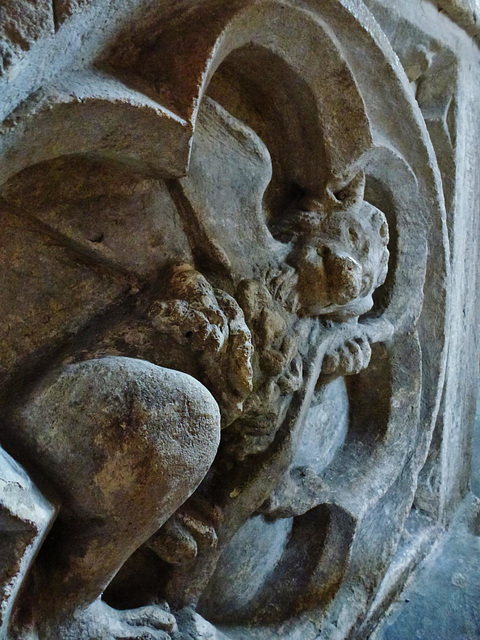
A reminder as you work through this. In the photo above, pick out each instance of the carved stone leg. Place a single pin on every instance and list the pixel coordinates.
(125, 443)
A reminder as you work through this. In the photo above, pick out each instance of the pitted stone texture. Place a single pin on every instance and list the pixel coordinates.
(22, 23)
(246, 192)
(66, 8)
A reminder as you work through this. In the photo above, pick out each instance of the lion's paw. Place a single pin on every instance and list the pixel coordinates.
(350, 358)
(99, 621)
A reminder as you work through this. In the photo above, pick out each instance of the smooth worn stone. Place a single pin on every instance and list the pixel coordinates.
(144, 438)
(239, 344)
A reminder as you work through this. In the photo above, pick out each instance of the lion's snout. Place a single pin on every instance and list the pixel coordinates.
(344, 275)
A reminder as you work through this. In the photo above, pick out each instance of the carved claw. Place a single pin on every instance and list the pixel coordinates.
(155, 616)
(179, 539)
(174, 543)
(349, 359)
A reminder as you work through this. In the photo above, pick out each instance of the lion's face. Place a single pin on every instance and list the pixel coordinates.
(339, 253)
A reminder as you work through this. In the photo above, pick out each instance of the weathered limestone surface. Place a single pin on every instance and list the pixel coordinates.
(442, 600)
(239, 348)
(466, 13)
(21, 25)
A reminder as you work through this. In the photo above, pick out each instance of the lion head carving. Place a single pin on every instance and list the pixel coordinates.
(339, 250)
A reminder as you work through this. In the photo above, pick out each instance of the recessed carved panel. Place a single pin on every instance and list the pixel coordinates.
(214, 360)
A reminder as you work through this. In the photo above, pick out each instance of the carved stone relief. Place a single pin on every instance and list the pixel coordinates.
(224, 278)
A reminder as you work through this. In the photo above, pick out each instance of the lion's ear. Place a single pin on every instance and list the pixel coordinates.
(351, 195)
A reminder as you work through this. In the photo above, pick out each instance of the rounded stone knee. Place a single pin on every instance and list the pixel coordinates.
(122, 438)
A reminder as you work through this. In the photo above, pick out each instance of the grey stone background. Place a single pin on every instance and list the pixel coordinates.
(416, 65)
(442, 600)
